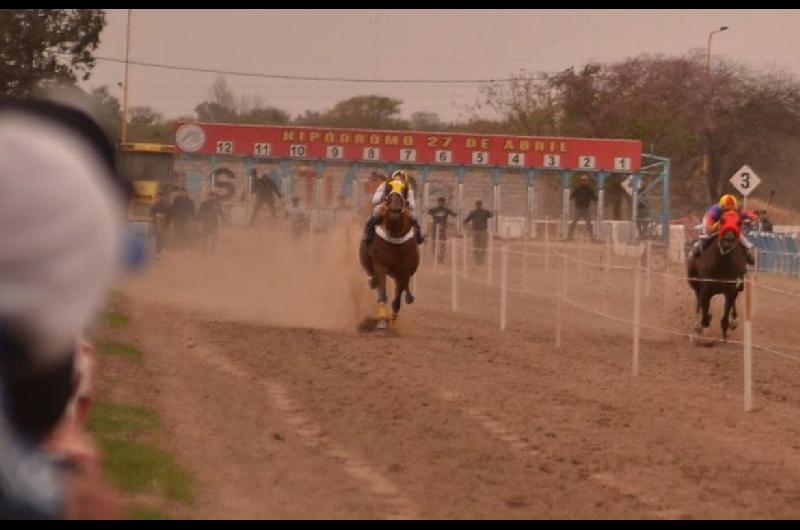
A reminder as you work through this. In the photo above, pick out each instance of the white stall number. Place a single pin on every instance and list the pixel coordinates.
(516, 159)
(372, 153)
(298, 150)
(480, 158)
(260, 149)
(225, 147)
(334, 151)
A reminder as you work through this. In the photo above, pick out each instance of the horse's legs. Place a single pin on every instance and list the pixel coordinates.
(698, 325)
(734, 315)
(380, 282)
(706, 303)
(725, 312)
(398, 291)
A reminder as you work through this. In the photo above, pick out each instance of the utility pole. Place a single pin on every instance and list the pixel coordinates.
(707, 117)
(125, 85)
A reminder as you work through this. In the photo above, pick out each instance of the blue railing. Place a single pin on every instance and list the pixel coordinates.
(777, 253)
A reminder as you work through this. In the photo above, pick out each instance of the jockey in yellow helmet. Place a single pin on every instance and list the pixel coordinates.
(401, 183)
(711, 224)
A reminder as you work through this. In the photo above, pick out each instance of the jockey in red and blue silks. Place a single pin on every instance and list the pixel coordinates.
(711, 221)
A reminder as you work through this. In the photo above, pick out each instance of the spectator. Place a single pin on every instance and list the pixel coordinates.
(182, 215)
(160, 212)
(440, 214)
(642, 213)
(583, 195)
(63, 236)
(763, 224)
(479, 219)
(265, 191)
(210, 214)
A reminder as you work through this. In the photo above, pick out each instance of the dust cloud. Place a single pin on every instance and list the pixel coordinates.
(265, 276)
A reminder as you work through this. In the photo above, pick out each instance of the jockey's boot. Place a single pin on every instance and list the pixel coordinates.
(418, 232)
(751, 259)
(694, 252)
(369, 230)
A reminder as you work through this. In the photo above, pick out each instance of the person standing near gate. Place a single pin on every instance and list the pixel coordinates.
(265, 191)
(440, 214)
(583, 195)
(160, 212)
(210, 215)
(479, 219)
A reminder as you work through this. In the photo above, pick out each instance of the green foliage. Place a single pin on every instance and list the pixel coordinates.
(41, 47)
(110, 419)
(133, 465)
(119, 349)
(116, 318)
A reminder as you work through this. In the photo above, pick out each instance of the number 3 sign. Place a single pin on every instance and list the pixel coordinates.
(745, 180)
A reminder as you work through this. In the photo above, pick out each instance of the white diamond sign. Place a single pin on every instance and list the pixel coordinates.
(745, 180)
(627, 184)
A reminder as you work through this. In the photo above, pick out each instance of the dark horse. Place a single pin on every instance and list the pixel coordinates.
(719, 269)
(393, 252)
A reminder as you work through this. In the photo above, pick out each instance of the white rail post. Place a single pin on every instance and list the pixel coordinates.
(503, 286)
(525, 265)
(562, 294)
(546, 246)
(436, 237)
(311, 239)
(648, 260)
(637, 288)
(464, 253)
(453, 280)
(490, 258)
(579, 257)
(607, 274)
(749, 291)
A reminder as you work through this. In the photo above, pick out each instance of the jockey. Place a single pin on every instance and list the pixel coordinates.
(711, 221)
(400, 183)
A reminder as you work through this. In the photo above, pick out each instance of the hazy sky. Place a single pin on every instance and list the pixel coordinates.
(410, 44)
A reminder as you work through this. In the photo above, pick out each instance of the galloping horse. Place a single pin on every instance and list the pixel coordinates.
(394, 253)
(719, 269)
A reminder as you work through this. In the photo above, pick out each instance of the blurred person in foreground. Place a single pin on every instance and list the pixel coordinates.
(62, 224)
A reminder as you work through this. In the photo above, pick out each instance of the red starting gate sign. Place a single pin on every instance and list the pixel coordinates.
(409, 147)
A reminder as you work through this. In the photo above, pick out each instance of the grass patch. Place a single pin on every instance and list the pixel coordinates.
(109, 419)
(119, 349)
(116, 318)
(141, 468)
(146, 513)
(137, 466)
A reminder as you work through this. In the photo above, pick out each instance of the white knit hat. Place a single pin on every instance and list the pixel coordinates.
(61, 231)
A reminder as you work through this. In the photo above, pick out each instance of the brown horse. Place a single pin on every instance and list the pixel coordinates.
(393, 253)
(720, 269)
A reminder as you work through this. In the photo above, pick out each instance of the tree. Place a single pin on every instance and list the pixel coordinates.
(734, 115)
(426, 121)
(265, 116)
(39, 47)
(144, 116)
(371, 112)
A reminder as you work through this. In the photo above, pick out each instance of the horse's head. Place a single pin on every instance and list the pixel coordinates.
(395, 221)
(729, 223)
(729, 230)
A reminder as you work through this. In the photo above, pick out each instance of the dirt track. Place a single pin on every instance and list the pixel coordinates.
(282, 409)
